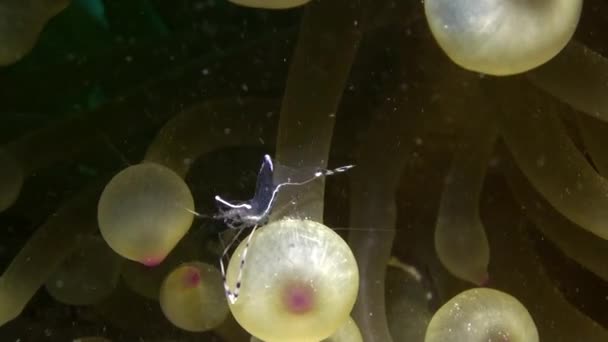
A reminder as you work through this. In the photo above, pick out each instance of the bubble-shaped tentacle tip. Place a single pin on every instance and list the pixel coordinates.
(270, 4)
(299, 282)
(348, 332)
(144, 211)
(486, 35)
(482, 314)
(192, 297)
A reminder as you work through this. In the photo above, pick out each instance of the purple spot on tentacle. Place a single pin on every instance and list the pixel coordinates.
(299, 299)
(485, 282)
(152, 261)
(192, 277)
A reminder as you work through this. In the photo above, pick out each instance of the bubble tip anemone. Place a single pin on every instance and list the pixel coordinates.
(191, 297)
(299, 283)
(484, 36)
(144, 211)
(482, 314)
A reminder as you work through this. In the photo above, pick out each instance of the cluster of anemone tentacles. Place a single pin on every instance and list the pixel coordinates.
(540, 126)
